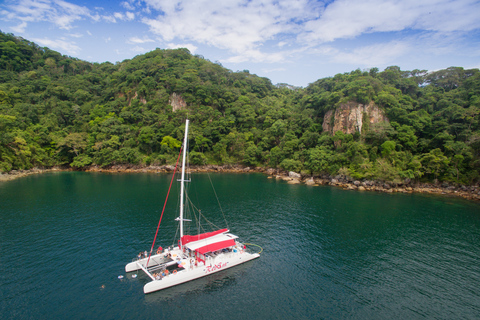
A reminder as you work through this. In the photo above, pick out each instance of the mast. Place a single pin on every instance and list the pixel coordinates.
(182, 187)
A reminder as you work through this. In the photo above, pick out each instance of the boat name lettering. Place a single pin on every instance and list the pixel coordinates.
(216, 267)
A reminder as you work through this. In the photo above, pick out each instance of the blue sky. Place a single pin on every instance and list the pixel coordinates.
(290, 41)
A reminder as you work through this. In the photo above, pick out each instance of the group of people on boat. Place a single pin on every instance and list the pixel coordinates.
(160, 275)
(163, 273)
(142, 255)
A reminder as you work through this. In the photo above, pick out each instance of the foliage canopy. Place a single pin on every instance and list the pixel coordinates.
(59, 110)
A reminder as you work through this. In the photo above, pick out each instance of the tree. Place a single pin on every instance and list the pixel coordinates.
(275, 156)
(170, 142)
(250, 156)
(318, 159)
(291, 165)
(387, 148)
(197, 158)
(434, 163)
(74, 142)
(81, 161)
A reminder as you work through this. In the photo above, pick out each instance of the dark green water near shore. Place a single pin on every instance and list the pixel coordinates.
(328, 253)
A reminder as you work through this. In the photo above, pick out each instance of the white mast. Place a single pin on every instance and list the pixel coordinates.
(183, 179)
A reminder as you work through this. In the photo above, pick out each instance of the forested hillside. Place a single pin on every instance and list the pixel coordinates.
(58, 110)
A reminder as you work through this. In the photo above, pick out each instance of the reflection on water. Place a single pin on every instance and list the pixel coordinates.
(328, 253)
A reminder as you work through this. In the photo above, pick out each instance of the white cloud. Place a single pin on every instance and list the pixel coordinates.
(110, 19)
(76, 35)
(448, 16)
(96, 17)
(351, 18)
(20, 28)
(192, 48)
(137, 49)
(58, 12)
(138, 40)
(127, 5)
(269, 31)
(129, 16)
(274, 70)
(61, 13)
(246, 28)
(59, 44)
(257, 56)
(370, 56)
(235, 25)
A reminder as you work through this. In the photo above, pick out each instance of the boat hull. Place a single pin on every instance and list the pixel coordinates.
(190, 273)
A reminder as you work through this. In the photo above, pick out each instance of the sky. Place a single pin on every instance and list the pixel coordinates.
(288, 41)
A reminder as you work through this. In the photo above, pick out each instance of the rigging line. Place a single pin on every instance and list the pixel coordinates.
(175, 237)
(193, 212)
(199, 224)
(200, 214)
(164, 205)
(223, 214)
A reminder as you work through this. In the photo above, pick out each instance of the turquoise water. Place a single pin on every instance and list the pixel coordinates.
(328, 253)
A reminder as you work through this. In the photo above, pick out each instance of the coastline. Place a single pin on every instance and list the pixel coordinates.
(346, 183)
(15, 174)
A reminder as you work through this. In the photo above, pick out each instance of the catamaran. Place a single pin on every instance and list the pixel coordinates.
(195, 256)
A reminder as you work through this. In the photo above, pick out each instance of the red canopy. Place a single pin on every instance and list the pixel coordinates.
(186, 239)
(216, 246)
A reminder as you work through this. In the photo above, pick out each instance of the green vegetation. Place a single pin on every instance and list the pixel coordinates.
(58, 110)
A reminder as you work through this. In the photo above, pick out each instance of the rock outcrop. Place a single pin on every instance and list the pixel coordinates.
(177, 102)
(351, 117)
(141, 99)
(130, 97)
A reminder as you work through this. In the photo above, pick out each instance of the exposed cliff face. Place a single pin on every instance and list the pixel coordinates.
(142, 100)
(350, 117)
(130, 97)
(177, 102)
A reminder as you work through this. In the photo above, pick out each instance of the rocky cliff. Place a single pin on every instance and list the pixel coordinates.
(177, 102)
(351, 117)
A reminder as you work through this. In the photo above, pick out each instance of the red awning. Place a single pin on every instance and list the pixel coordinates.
(186, 239)
(216, 246)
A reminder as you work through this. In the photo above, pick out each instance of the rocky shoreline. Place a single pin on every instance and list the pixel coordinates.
(347, 183)
(15, 174)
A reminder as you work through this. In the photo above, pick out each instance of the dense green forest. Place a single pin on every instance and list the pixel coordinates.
(58, 110)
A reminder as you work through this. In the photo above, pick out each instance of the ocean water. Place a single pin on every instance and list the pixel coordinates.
(327, 253)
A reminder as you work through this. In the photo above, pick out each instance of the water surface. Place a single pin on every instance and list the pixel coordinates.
(328, 253)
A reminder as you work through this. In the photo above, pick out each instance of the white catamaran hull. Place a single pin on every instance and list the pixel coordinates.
(211, 266)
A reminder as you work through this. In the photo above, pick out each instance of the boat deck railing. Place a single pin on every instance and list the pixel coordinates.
(161, 266)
